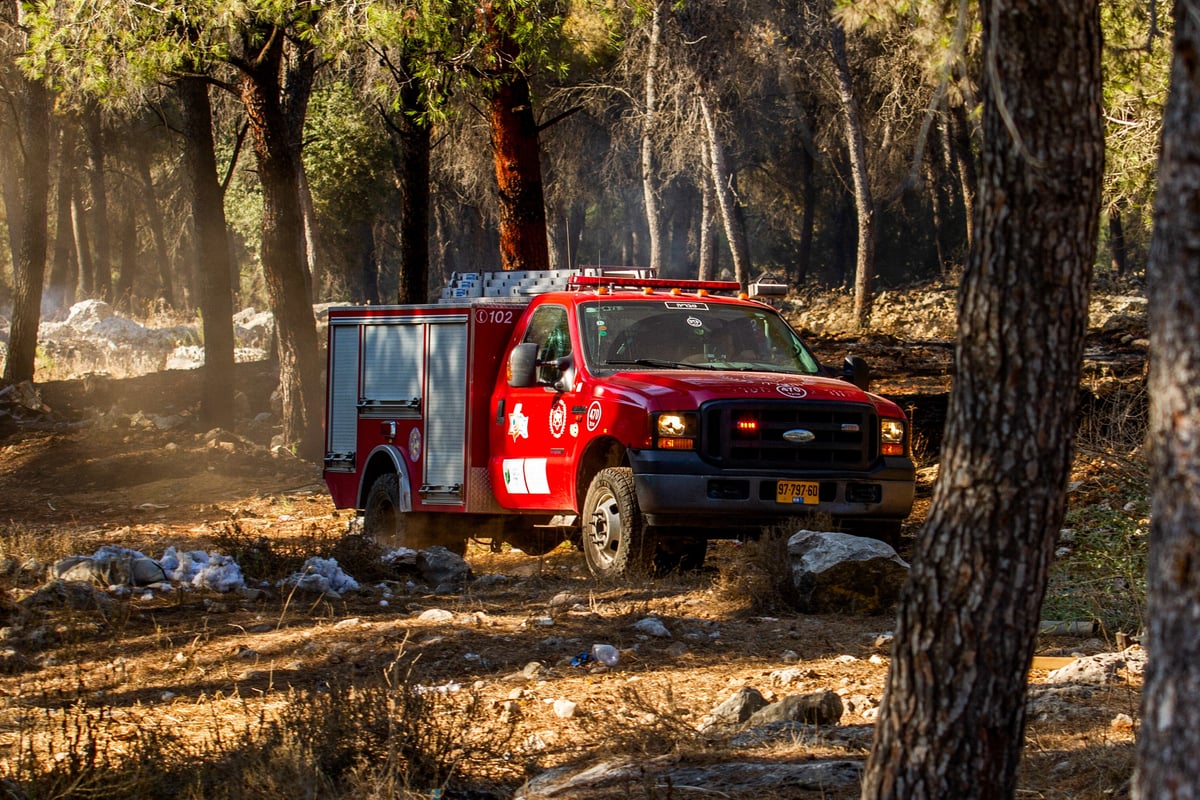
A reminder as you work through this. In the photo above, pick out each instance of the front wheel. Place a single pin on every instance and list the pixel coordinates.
(388, 525)
(613, 530)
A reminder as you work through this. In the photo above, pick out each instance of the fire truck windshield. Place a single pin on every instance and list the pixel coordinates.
(673, 334)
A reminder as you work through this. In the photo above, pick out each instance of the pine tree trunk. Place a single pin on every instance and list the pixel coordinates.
(83, 250)
(98, 184)
(864, 202)
(29, 268)
(413, 174)
(127, 265)
(213, 262)
(964, 159)
(284, 268)
(154, 219)
(1169, 737)
(952, 720)
(649, 175)
(299, 74)
(722, 181)
(60, 286)
(1118, 256)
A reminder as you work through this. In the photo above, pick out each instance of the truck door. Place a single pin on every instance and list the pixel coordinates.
(534, 436)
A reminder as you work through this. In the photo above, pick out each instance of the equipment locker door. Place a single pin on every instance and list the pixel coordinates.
(445, 413)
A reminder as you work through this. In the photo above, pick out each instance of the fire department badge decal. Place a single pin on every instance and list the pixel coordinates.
(792, 391)
(558, 419)
(594, 413)
(414, 444)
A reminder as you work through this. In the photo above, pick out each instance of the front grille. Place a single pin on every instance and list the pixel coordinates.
(750, 435)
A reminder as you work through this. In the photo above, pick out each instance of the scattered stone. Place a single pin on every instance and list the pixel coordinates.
(817, 708)
(737, 709)
(565, 709)
(837, 572)
(78, 595)
(438, 566)
(652, 626)
(435, 615)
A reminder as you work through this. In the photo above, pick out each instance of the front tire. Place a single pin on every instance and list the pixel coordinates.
(613, 530)
(385, 523)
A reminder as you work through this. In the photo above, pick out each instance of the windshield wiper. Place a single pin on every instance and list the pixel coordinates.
(655, 362)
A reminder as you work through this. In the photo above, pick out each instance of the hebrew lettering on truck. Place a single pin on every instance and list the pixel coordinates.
(635, 417)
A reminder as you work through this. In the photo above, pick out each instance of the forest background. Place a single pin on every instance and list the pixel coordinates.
(204, 157)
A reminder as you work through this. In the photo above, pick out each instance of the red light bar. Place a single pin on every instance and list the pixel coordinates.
(654, 283)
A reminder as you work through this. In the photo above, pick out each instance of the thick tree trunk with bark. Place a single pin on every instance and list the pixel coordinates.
(516, 155)
(649, 173)
(29, 268)
(299, 74)
(864, 202)
(284, 267)
(413, 174)
(1169, 738)
(952, 720)
(127, 264)
(213, 263)
(518, 176)
(808, 193)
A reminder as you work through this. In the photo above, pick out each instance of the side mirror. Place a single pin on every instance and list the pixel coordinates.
(522, 365)
(856, 371)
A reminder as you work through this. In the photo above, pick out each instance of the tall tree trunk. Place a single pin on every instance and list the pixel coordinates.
(722, 180)
(213, 263)
(964, 158)
(98, 184)
(127, 265)
(60, 286)
(952, 721)
(808, 193)
(1118, 255)
(1169, 737)
(299, 73)
(939, 201)
(10, 188)
(284, 268)
(29, 268)
(706, 237)
(83, 250)
(154, 220)
(413, 175)
(864, 202)
(649, 117)
(516, 155)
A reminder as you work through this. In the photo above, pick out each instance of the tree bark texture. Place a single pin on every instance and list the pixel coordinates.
(299, 74)
(213, 263)
(964, 159)
(29, 268)
(650, 197)
(83, 250)
(864, 202)
(284, 268)
(413, 173)
(1118, 254)
(1169, 739)
(953, 717)
(516, 156)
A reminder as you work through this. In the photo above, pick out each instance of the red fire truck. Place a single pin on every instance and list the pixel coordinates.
(638, 417)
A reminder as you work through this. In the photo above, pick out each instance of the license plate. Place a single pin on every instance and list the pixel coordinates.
(798, 492)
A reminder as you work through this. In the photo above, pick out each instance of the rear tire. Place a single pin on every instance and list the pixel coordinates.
(613, 529)
(388, 526)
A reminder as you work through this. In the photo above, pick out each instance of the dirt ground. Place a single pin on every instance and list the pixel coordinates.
(98, 470)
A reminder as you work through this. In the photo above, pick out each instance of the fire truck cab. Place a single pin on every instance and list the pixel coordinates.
(637, 417)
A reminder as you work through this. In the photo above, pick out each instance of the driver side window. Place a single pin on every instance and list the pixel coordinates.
(548, 329)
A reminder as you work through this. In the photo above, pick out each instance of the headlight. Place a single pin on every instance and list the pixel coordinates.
(676, 430)
(891, 437)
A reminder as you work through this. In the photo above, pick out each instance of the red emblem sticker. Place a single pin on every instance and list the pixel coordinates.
(558, 419)
(594, 413)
